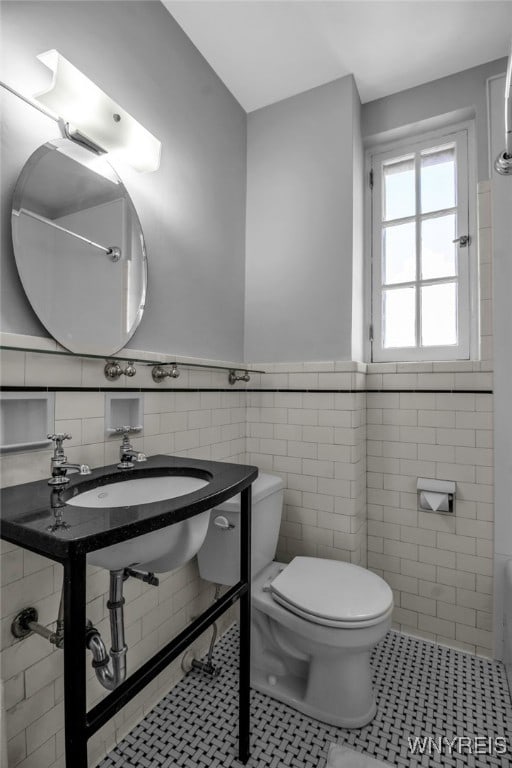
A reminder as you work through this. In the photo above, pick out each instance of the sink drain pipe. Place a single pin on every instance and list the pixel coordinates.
(110, 669)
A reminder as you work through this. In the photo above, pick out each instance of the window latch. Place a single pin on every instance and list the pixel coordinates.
(463, 240)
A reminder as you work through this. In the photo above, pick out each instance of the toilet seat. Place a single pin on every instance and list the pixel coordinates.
(332, 593)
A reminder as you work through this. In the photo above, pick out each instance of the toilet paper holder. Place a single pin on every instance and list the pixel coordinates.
(436, 496)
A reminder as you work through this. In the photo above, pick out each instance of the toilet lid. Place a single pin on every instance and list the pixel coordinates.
(331, 590)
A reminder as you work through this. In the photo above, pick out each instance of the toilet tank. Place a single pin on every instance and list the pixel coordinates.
(219, 557)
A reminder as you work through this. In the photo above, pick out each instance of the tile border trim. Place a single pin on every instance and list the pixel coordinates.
(277, 390)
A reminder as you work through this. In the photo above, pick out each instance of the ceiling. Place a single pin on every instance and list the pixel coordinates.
(267, 50)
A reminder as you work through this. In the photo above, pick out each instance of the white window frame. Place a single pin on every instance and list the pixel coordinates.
(462, 135)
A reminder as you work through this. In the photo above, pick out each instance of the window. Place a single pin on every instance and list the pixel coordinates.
(421, 251)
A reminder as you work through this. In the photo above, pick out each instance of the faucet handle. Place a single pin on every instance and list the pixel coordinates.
(58, 438)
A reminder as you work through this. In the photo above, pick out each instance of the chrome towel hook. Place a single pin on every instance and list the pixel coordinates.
(234, 376)
(159, 373)
(113, 370)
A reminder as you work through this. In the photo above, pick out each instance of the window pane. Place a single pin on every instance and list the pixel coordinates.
(438, 251)
(439, 314)
(399, 189)
(437, 179)
(399, 317)
(399, 250)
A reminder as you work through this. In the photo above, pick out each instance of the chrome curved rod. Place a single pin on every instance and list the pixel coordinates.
(503, 163)
(508, 107)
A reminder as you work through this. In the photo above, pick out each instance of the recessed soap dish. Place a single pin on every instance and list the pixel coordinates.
(124, 412)
(26, 418)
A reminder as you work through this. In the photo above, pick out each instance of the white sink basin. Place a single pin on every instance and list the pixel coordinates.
(158, 551)
(141, 490)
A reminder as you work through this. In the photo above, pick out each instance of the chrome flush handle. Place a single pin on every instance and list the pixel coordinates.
(222, 522)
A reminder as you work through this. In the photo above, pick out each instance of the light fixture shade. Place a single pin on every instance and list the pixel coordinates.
(78, 101)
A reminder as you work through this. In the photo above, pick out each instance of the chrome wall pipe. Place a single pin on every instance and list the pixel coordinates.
(26, 622)
(111, 668)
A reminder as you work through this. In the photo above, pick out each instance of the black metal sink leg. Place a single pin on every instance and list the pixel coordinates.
(244, 693)
(75, 704)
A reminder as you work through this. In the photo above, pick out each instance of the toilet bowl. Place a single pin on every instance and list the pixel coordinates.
(315, 656)
(314, 621)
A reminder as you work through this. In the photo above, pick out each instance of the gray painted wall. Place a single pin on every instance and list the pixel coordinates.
(463, 92)
(192, 210)
(299, 226)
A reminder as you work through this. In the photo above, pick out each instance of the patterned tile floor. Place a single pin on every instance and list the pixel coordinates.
(422, 690)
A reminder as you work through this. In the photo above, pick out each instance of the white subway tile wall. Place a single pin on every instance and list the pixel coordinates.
(316, 442)
(432, 561)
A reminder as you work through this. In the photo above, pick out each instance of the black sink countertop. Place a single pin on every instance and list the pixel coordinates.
(30, 512)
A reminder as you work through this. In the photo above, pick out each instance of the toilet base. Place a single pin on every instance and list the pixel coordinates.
(291, 690)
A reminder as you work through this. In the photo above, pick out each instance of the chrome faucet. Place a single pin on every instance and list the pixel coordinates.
(59, 462)
(127, 454)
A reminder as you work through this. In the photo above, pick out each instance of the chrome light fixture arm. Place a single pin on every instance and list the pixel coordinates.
(503, 163)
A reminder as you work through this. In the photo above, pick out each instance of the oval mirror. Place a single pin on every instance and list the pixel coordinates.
(79, 248)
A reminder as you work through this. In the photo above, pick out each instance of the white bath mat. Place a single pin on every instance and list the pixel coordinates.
(341, 756)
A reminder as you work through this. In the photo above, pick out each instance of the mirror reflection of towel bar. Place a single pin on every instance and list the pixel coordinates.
(113, 251)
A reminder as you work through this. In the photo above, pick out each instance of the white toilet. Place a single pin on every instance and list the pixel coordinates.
(314, 621)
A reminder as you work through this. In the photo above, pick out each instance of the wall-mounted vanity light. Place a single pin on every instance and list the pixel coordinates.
(96, 117)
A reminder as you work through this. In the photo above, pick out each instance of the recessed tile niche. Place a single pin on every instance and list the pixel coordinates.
(124, 409)
(26, 418)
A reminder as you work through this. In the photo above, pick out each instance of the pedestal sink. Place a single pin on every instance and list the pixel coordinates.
(158, 551)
